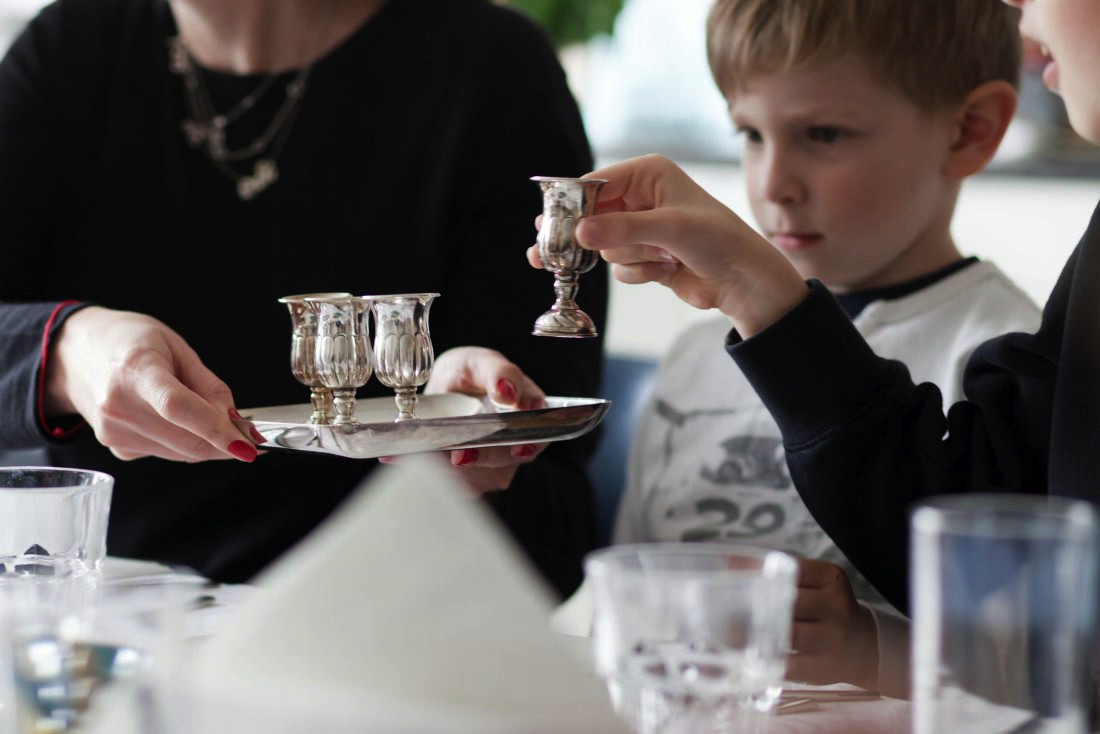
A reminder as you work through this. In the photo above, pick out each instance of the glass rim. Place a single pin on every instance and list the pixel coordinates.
(399, 296)
(569, 180)
(776, 561)
(99, 478)
(1002, 514)
(300, 297)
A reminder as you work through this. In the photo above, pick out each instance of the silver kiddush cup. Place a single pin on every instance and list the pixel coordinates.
(403, 355)
(565, 201)
(342, 354)
(302, 343)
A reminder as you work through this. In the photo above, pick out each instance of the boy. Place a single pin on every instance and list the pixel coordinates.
(862, 441)
(855, 149)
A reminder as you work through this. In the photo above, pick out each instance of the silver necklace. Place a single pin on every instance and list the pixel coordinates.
(205, 128)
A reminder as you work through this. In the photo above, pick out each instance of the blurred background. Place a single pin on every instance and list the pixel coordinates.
(638, 69)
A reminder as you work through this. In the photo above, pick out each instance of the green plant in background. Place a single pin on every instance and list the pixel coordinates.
(572, 21)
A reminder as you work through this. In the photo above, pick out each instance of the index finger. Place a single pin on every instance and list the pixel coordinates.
(634, 184)
(176, 403)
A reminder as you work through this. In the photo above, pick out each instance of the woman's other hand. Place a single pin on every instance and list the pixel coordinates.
(142, 389)
(485, 372)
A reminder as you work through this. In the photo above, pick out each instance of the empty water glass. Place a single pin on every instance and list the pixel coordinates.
(53, 535)
(692, 637)
(1004, 591)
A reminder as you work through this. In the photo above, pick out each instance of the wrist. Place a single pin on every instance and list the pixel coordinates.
(59, 348)
(758, 304)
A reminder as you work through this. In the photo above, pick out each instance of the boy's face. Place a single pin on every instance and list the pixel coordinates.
(845, 174)
(1070, 30)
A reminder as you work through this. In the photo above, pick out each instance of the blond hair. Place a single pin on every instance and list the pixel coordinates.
(934, 51)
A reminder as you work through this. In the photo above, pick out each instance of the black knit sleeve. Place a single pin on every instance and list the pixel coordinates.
(864, 443)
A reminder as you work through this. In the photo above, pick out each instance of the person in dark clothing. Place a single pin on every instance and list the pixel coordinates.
(863, 442)
(168, 170)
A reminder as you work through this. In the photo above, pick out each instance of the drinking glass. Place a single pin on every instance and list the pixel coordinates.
(403, 355)
(53, 520)
(53, 535)
(565, 201)
(341, 355)
(691, 637)
(1004, 591)
(303, 342)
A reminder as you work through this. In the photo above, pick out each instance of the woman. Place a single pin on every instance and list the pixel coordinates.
(183, 165)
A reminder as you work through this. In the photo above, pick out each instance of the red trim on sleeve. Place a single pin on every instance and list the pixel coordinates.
(54, 431)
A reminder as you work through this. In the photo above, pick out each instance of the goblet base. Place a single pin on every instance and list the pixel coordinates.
(569, 323)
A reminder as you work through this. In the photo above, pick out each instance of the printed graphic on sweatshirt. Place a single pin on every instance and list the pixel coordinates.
(721, 475)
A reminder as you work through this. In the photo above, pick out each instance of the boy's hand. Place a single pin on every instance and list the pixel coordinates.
(834, 636)
(653, 223)
(480, 372)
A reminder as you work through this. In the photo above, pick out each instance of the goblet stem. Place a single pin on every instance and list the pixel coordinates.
(343, 404)
(321, 399)
(565, 288)
(406, 400)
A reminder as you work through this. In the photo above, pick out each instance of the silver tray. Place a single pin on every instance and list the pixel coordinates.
(447, 421)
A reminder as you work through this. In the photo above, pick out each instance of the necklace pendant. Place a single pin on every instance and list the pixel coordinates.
(264, 173)
(193, 132)
(215, 143)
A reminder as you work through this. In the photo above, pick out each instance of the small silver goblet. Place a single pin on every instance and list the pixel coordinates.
(342, 354)
(302, 343)
(403, 356)
(565, 201)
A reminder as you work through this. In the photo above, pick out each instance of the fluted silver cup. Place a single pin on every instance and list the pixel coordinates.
(565, 201)
(403, 355)
(342, 353)
(303, 340)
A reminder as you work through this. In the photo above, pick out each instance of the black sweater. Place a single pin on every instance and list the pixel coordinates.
(864, 443)
(406, 170)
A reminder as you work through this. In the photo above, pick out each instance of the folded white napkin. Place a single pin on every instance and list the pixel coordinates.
(409, 611)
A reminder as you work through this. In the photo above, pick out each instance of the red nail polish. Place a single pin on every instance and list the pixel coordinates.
(256, 435)
(234, 415)
(242, 450)
(469, 456)
(506, 390)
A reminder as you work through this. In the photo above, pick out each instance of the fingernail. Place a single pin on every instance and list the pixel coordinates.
(234, 415)
(469, 456)
(667, 256)
(256, 435)
(506, 390)
(242, 450)
(525, 452)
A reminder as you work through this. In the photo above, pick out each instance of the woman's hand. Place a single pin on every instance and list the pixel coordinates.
(653, 223)
(479, 372)
(834, 636)
(142, 389)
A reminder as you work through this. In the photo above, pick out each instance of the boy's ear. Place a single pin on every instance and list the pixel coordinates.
(980, 123)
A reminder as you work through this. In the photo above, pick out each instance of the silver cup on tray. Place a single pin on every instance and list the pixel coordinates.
(403, 355)
(303, 341)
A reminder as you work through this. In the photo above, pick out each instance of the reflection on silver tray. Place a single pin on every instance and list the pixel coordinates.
(448, 421)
